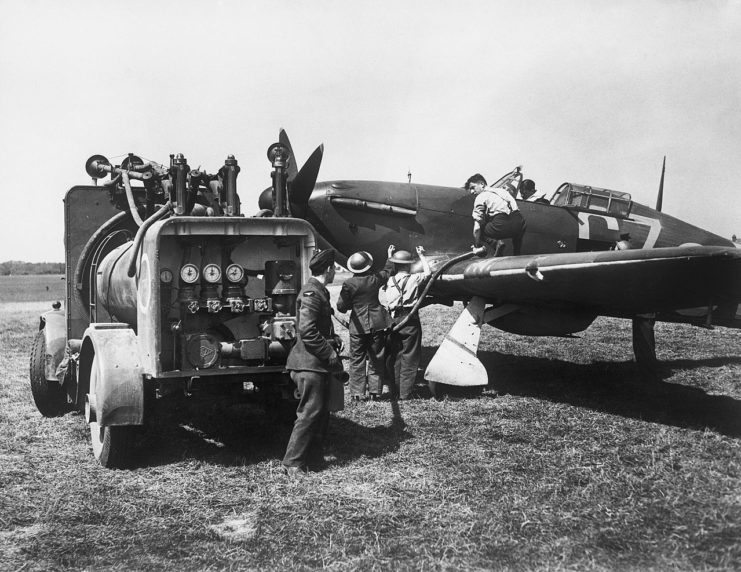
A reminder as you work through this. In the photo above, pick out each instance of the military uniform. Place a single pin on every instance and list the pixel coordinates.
(309, 364)
(368, 323)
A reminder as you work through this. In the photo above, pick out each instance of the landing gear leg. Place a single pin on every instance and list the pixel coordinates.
(644, 345)
(455, 362)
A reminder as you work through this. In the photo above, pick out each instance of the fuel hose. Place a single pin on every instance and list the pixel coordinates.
(477, 251)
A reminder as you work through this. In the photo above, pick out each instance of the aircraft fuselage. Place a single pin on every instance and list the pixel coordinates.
(370, 215)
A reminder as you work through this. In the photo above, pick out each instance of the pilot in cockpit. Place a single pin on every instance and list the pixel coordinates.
(530, 194)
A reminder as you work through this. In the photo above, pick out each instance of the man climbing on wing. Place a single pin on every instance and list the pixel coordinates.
(495, 216)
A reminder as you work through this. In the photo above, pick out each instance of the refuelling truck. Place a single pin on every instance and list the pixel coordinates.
(169, 287)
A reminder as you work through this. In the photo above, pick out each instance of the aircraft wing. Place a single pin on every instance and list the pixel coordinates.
(613, 283)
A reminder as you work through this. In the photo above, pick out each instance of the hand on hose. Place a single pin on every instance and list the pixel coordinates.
(337, 343)
(335, 363)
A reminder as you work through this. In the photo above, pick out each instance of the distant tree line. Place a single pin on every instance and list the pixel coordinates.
(15, 267)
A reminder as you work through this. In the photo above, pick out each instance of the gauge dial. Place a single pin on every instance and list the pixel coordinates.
(234, 272)
(212, 273)
(189, 273)
(166, 275)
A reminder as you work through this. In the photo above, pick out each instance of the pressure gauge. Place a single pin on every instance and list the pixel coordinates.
(234, 272)
(166, 275)
(212, 273)
(189, 273)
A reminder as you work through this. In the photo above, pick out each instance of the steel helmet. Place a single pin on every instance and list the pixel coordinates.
(359, 262)
(402, 257)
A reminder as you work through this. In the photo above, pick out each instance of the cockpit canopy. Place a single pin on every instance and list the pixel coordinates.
(579, 197)
(585, 198)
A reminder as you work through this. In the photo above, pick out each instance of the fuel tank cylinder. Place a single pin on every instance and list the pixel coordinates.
(116, 292)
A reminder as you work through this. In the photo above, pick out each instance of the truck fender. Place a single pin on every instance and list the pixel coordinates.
(109, 357)
(54, 325)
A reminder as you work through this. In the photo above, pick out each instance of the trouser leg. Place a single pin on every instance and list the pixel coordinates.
(393, 345)
(358, 353)
(519, 226)
(312, 417)
(409, 356)
(376, 362)
(505, 226)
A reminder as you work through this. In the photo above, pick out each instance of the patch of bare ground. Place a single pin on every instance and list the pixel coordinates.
(567, 461)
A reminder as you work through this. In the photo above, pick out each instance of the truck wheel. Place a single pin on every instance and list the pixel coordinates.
(113, 446)
(49, 396)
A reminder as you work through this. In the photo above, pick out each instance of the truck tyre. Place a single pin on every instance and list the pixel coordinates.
(113, 446)
(49, 396)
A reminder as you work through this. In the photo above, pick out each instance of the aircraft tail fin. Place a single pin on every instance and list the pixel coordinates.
(660, 197)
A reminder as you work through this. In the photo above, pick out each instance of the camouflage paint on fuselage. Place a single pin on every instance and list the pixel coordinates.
(370, 215)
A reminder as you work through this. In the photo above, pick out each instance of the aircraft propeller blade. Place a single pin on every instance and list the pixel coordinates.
(292, 168)
(301, 186)
(660, 198)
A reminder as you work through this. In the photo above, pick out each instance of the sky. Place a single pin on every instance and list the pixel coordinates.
(592, 92)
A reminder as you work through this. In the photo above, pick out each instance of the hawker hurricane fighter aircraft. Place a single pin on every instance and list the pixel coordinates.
(587, 252)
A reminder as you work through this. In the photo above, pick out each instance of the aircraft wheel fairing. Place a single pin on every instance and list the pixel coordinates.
(49, 396)
(455, 362)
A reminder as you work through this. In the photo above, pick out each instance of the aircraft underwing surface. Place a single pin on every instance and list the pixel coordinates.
(613, 283)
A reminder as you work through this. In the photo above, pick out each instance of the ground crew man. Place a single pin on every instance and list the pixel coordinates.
(402, 292)
(312, 358)
(495, 215)
(369, 321)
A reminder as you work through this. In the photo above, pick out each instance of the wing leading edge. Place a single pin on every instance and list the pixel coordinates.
(618, 283)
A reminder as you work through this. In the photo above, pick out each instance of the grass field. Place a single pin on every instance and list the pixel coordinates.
(32, 288)
(566, 462)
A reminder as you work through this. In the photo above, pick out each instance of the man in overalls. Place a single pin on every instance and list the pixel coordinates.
(403, 289)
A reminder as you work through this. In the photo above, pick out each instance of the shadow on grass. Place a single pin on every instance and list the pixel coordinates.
(618, 388)
(239, 432)
(351, 440)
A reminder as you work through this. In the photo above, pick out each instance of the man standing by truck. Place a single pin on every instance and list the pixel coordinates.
(312, 359)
